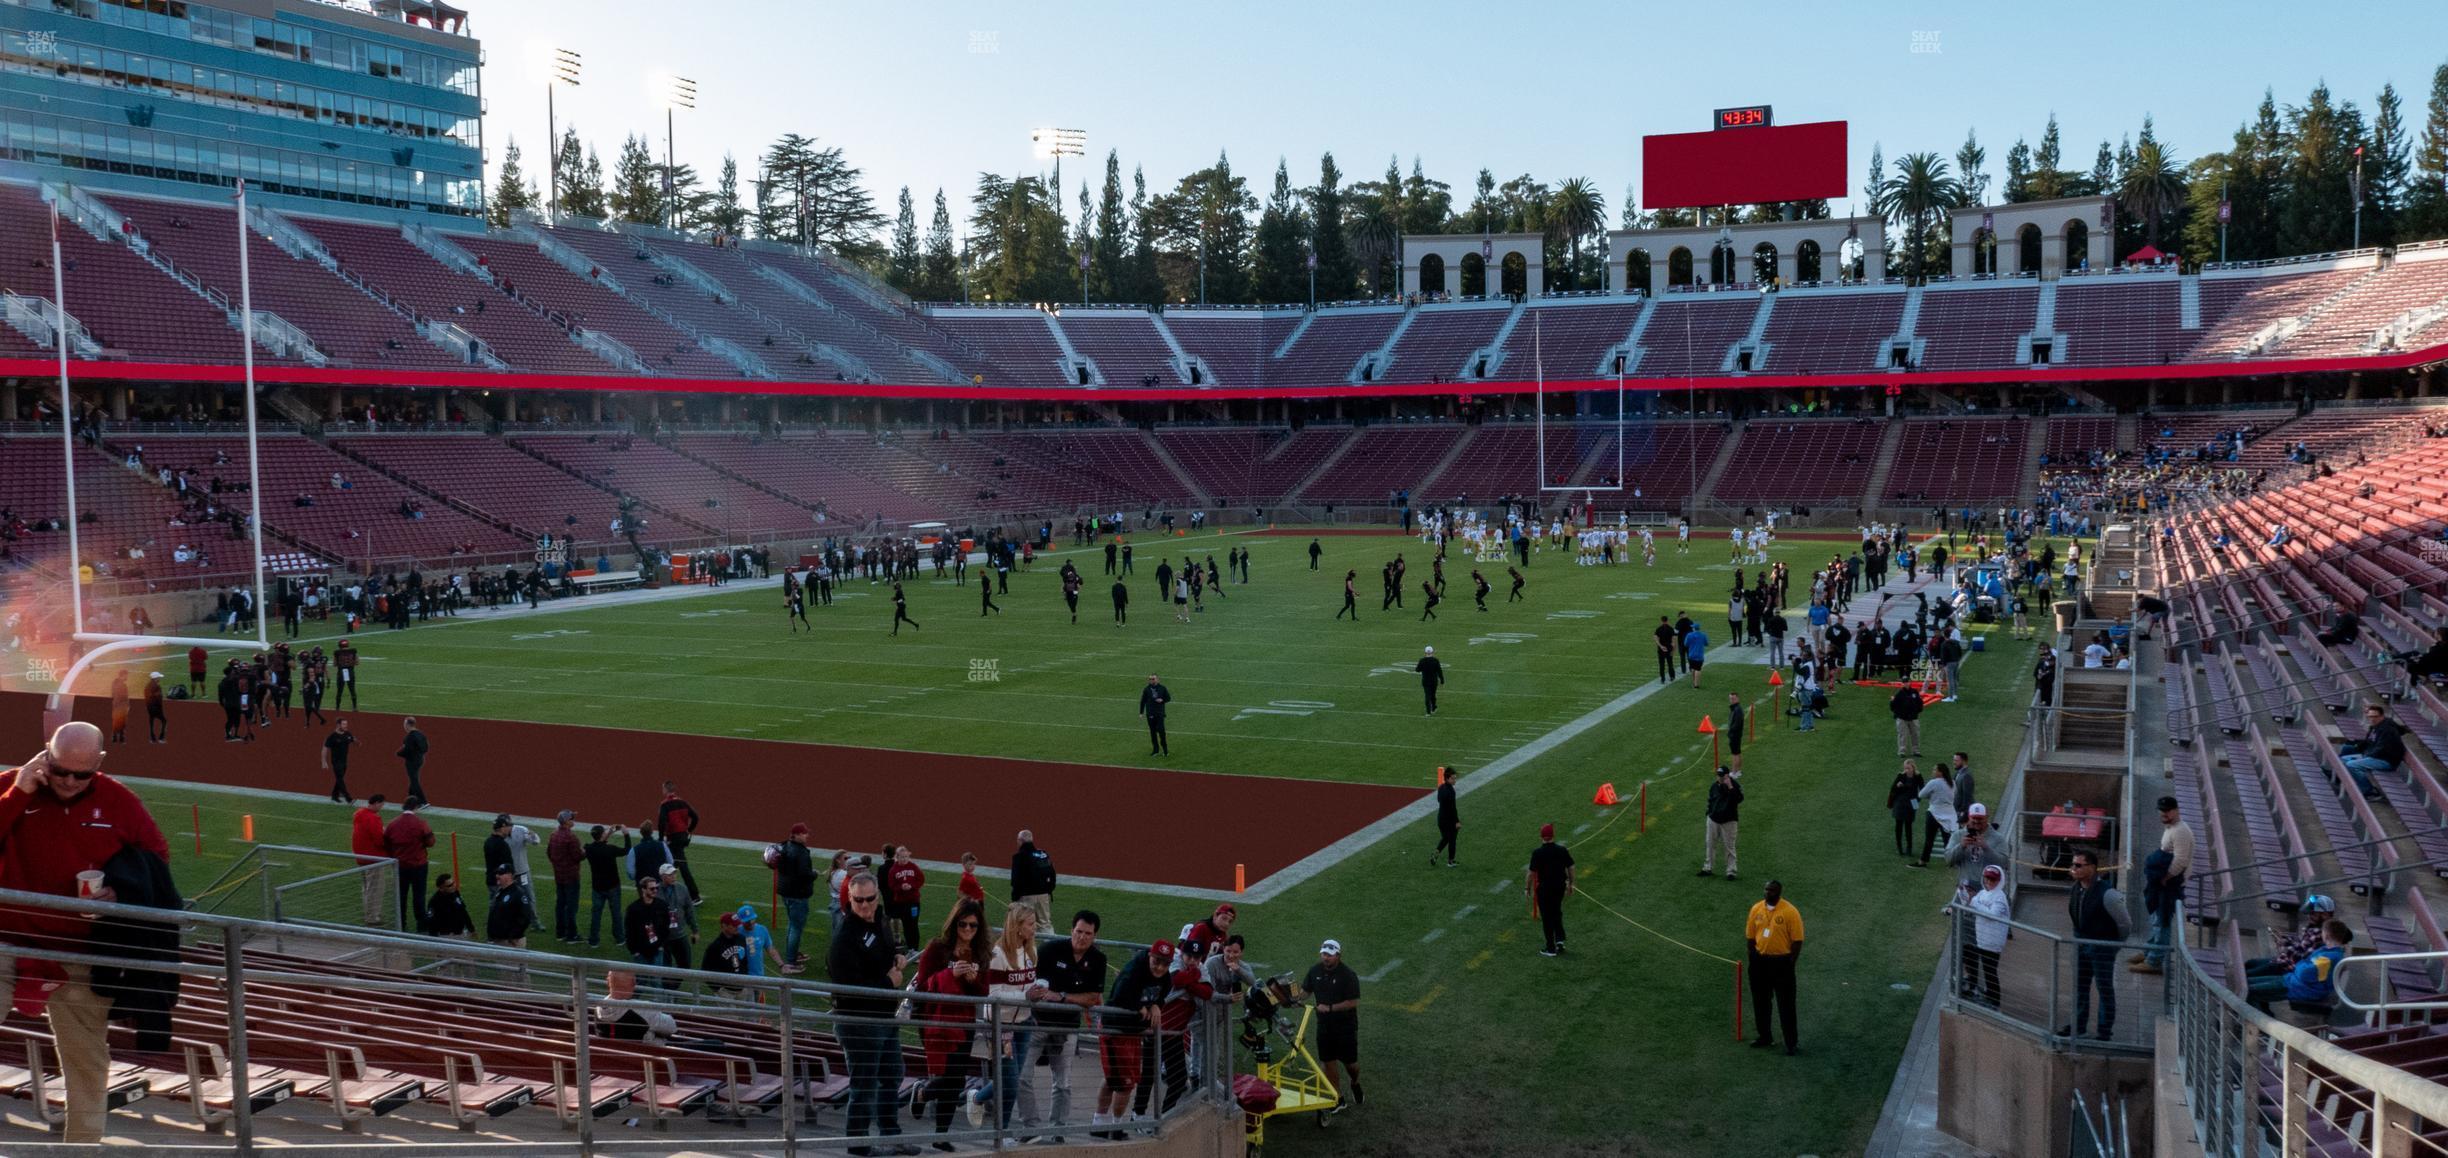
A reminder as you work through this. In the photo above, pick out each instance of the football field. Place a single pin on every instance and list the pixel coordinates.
(1300, 753)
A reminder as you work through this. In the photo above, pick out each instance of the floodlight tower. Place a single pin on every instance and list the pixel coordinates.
(679, 93)
(562, 68)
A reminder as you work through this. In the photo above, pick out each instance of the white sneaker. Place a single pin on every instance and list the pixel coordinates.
(975, 1108)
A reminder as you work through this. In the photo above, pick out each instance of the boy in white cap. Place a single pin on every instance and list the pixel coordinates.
(1988, 937)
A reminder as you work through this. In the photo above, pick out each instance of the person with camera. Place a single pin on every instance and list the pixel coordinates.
(61, 823)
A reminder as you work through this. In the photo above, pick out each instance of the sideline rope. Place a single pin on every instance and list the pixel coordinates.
(1652, 932)
(226, 886)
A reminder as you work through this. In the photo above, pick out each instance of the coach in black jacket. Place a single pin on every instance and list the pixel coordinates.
(1152, 701)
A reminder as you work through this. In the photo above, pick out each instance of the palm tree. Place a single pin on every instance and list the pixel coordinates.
(2154, 186)
(1376, 234)
(1576, 210)
(1919, 187)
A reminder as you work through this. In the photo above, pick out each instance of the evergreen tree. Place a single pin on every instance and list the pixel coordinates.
(815, 196)
(939, 270)
(637, 189)
(2318, 212)
(1146, 286)
(901, 269)
(1335, 279)
(1427, 205)
(2205, 180)
(513, 191)
(1109, 268)
(2018, 174)
(587, 197)
(1875, 188)
(2385, 164)
(581, 177)
(725, 215)
(2047, 180)
(1279, 268)
(2427, 201)
(1970, 162)
(686, 201)
(2103, 174)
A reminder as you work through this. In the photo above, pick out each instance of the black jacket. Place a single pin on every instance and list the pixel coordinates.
(143, 996)
(1032, 872)
(795, 872)
(643, 926)
(1431, 671)
(604, 863)
(1152, 701)
(507, 919)
(1448, 816)
(448, 916)
(1907, 703)
(1725, 801)
(862, 954)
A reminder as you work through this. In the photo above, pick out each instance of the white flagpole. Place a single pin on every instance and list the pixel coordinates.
(59, 338)
(1538, 364)
(246, 327)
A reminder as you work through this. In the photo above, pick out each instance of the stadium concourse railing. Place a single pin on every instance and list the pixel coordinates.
(2257, 1085)
(268, 1012)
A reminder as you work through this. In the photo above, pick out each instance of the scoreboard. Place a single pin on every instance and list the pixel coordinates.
(1746, 117)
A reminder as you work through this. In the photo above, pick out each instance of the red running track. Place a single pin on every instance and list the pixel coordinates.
(1151, 825)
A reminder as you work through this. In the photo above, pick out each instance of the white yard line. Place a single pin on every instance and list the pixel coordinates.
(1300, 872)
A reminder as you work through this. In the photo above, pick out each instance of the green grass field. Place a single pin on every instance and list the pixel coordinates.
(1472, 1043)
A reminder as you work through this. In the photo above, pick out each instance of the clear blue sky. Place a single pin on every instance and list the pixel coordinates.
(930, 92)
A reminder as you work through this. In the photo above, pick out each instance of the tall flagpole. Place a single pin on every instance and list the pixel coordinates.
(246, 328)
(1538, 363)
(59, 338)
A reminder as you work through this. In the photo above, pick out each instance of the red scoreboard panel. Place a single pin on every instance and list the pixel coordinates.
(1758, 163)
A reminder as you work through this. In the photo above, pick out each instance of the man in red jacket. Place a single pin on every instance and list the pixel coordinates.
(407, 841)
(366, 840)
(567, 856)
(676, 820)
(59, 817)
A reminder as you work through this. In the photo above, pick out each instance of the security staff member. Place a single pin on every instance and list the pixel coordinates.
(1152, 701)
(1772, 942)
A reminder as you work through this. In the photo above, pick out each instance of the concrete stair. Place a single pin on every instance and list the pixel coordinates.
(1726, 449)
(1891, 443)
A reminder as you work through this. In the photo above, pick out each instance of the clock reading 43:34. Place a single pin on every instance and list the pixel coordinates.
(1745, 117)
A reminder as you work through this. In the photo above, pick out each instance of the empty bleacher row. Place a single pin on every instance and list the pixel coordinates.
(2264, 694)
(657, 304)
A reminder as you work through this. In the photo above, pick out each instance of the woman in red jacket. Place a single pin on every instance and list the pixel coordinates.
(954, 964)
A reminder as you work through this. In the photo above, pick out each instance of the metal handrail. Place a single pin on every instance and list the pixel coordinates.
(2337, 974)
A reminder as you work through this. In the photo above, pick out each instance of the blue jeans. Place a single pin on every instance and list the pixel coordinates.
(2157, 950)
(2095, 971)
(565, 910)
(1007, 1090)
(872, 1052)
(606, 901)
(2363, 768)
(795, 915)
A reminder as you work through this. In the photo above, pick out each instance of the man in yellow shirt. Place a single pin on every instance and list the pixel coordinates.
(1772, 942)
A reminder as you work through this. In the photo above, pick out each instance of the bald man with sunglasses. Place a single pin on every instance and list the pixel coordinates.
(60, 817)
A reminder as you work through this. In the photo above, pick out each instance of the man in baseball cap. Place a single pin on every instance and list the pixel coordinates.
(1336, 990)
(1550, 877)
(2313, 914)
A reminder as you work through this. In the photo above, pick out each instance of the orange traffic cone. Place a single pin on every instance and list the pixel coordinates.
(1606, 796)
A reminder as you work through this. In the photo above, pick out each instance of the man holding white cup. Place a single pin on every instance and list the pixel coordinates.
(61, 819)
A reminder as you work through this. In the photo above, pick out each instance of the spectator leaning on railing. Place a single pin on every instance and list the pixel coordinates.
(61, 818)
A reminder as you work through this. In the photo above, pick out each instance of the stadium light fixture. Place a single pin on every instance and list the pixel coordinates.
(1058, 143)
